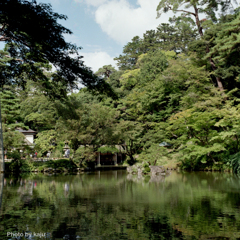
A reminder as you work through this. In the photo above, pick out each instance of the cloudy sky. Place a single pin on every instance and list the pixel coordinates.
(103, 27)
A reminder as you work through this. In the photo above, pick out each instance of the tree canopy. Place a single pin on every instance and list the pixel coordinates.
(34, 40)
(168, 88)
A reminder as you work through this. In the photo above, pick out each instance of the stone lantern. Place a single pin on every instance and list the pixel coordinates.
(66, 147)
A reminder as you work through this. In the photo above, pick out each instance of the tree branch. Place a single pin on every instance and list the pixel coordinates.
(16, 59)
(187, 12)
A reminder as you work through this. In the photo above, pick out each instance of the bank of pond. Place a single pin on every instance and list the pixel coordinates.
(68, 165)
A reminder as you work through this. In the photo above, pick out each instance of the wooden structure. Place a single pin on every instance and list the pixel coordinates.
(29, 135)
(108, 158)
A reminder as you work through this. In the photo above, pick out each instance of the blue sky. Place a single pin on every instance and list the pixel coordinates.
(103, 27)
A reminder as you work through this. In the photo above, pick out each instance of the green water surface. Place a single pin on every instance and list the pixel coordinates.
(114, 205)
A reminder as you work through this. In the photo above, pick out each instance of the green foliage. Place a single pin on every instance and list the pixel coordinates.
(37, 110)
(209, 8)
(32, 48)
(85, 157)
(17, 164)
(153, 155)
(87, 124)
(225, 52)
(11, 119)
(233, 162)
(146, 168)
(152, 64)
(131, 52)
(106, 71)
(46, 141)
(12, 138)
(14, 155)
(57, 153)
(166, 89)
(60, 146)
(129, 79)
(27, 166)
(61, 163)
(107, 149)
(9, 106)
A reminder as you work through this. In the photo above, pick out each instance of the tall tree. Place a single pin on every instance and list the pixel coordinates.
(226, 51)
(11, 119)
(209, 8)
(33, 35)
(34, 38)
(105, 71)
(131, 52)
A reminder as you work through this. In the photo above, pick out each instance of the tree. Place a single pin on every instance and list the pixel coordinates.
(149, 41)
(175, 37)
(131, 51)
(226, 50)
(37, 110)
(34, 38)
(44, 43)
(86, 124)
(209, 8)
(131, 133)
(11, 119)
(105, 71)
(46, 141)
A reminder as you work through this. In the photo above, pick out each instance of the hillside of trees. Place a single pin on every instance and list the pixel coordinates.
(179, 83)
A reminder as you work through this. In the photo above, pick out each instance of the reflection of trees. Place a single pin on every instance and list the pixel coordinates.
(1, 187)
(109, 205)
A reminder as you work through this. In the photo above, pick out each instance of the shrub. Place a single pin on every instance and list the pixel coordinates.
(146, 170)
(27, 166)
(64, 163)
(41, 168)
(233, 162)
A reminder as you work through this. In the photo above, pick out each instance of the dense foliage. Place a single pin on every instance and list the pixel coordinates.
(177, 84)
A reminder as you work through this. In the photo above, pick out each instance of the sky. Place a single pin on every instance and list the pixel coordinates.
(103, 27)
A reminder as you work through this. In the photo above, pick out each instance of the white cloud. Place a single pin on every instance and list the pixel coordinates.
(96, 60)
(121, 21)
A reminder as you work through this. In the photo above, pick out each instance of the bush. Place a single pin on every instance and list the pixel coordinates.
(15, 155)
(233, 162)
(41, 168)
(15, 164)
(65, 163)
(146, 170)
(27, 166)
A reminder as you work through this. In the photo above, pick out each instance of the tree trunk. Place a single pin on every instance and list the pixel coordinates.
(2, 167)
(198, 23)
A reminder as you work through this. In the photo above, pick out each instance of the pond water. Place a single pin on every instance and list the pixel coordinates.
(114, 205)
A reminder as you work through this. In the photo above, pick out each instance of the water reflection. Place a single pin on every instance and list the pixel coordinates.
(1, 187)
(114, 205)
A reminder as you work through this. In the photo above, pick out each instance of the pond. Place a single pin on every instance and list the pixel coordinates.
(115, 205)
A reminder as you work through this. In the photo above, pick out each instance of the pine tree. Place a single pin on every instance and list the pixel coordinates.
(11, 119)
